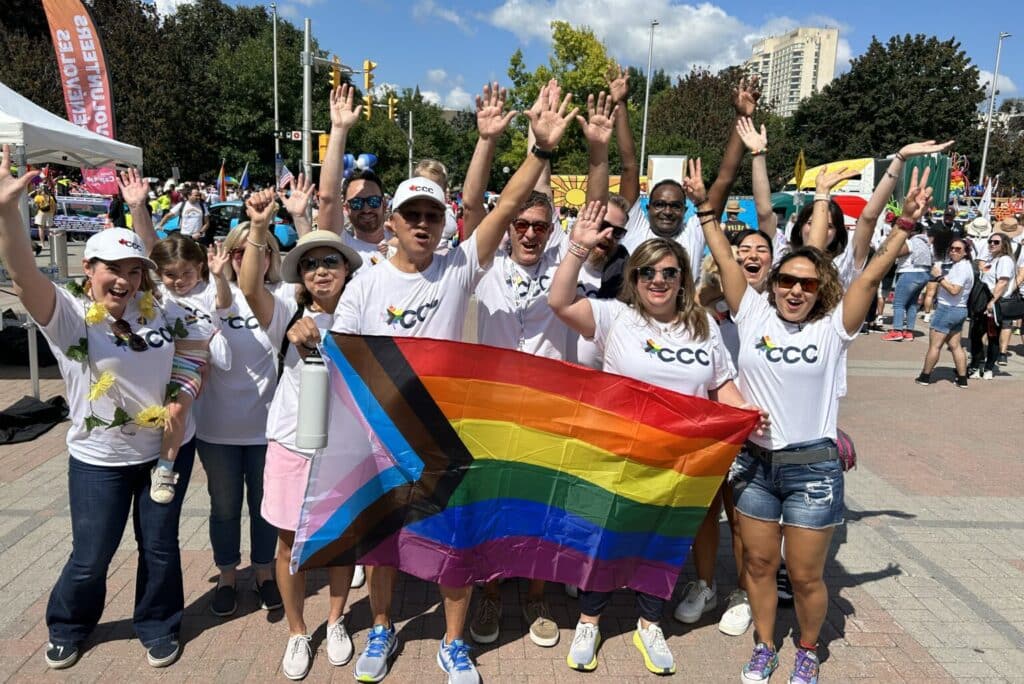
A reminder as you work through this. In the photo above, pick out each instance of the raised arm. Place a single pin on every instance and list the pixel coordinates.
(597, 130)
(744, 99)
(343, 117)
(756, 143)
(734, 284)
(491, 122)
(36, 292)
(297, 203)
(548, 119)
(629, 178)
(575, 311)
(261, 208)
(864, 289)
(823, 184)
(217, 256)
(136, 195)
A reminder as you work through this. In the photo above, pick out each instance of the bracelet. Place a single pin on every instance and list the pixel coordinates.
(906, 224)
(900, 157)
(821, 197)
(706, 221)
(256, 244)
(706, 212)
(892, 175)
(578, 250)
(763, 150)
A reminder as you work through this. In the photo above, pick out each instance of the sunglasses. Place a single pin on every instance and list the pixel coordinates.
(788, 282)
(522, 225)
(618, 232)
(329, 261)
(357, 203)
(995, 242)
(126, 336)
(658, 205)
(956, 249)
(648, 273)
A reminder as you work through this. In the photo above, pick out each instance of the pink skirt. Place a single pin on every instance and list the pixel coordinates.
(284, 486)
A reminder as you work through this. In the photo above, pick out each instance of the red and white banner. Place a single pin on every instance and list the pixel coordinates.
(83, 74)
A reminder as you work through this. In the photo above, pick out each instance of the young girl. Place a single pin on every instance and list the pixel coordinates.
(182, 266)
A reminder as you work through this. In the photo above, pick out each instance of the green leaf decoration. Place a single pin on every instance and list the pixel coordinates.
(75, 288)
(121, 417)
(179, 330)
(80, 351)
(93, 421)
(171, 392)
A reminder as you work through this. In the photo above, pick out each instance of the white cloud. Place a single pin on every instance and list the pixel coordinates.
(431, 96)
(437, 75)
(688, 34)
(288, 11)
(380, 90)
(425, 9)
(169, 7)
(843, 56)
(458, 98)
(1004, 85)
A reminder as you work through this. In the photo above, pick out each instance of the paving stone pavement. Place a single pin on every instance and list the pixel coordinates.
(926, 579)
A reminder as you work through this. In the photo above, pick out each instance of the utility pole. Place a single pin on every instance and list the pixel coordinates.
(277, 120)
(307, 101)
(647, 97)
(991, 108)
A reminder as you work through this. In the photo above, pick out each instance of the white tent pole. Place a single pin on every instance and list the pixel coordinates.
(21, 159)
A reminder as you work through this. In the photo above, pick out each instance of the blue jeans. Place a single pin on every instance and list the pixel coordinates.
(230, 469)
(904, 302)
(101, 498)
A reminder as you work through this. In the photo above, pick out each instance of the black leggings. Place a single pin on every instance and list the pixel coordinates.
(594, 602)
(983, 355)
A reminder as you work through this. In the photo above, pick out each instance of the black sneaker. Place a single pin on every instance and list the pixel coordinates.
(961, 381)
(62, 656)
(163, 654)
(923, 379)
(270, 597)
(225, 601)
(973, 371)
(1003, 360)
(783, 586)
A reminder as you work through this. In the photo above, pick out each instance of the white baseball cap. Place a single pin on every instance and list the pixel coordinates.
(114, 244)
(417, 188)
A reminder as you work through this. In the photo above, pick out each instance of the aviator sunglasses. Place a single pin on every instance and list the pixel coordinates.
(788, 282)
(357, 203)
(648, 273)
(125, 335)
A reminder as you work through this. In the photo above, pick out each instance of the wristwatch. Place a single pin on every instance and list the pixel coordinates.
(542, 154)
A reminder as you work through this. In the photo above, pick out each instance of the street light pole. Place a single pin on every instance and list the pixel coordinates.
(277, 122)
(307, 101)
(647, 97)
(991, 107)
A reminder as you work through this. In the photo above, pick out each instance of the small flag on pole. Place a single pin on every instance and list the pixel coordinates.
(222, 185)
(286, 176)
(244, 180)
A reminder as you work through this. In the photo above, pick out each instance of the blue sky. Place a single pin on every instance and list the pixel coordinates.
(450, 48)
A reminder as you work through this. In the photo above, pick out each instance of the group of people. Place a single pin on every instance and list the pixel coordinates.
(763, 322)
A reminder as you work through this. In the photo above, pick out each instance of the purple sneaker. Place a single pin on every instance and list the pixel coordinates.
(763, 662)
(805, 669)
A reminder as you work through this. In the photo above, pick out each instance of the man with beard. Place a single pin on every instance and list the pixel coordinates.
(667, 205)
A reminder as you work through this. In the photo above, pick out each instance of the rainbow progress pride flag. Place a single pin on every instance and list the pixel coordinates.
(459, 463)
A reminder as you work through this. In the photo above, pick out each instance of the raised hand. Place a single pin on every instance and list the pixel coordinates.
(925, 147)
(298, 200)
(217, 256)
(588, 230)
(11, 188)
(825, 181)
(261, 207)
(754, 140)
(618, 84)
(491, 117)
(746, 95)
(919, 195)
(548, 117)
(693, 184)
(343, 114)
(134, 190)
(599, 124)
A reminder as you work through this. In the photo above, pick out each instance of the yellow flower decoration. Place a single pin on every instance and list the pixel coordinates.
(96, 313)
(153, 417)
(146, 307)
(101, 386)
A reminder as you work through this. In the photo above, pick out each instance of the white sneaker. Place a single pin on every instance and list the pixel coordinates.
(161, 485)
(583, 651)
(339, 643)
(988, 375)
(571, 590)
(698, 599)
(358, 577)
(297, 657)
(737, 616)
(651, 644)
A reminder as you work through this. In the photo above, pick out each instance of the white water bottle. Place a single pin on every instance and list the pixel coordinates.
(311, 428)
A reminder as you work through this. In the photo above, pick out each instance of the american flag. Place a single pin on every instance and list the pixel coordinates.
(286, 176)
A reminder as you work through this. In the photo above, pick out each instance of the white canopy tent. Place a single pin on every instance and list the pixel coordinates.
(38, 137)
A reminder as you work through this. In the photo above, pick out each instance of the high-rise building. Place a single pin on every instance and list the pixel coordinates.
(794, 65)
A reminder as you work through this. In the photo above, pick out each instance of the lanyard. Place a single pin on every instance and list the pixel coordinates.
(522, 297)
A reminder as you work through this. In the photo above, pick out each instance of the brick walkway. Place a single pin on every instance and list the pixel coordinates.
(926, 579)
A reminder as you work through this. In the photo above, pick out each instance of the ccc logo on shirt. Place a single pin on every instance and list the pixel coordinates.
(684, 355)
(523, 286)
(776, 354)
(409, 318)
(240, 322)
(587, 291)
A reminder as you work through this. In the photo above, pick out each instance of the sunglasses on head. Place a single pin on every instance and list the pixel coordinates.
(658, 205)
(522, 225)
(618, 232)
(649, 273)
(126, 336)
(788, 282)
(357, 203)
(328, 261)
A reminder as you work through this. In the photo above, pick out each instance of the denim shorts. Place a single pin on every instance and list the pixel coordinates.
(948, 318)
(799, 495)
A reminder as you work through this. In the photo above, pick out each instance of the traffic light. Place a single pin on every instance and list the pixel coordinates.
(335, 72)
(392, 107)
(367, 106)
(322, 142)
(368, 67)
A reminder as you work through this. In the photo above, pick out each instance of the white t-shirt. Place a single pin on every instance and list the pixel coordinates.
(1020, 265)
(638, 230)
(961, 274)
(369, 251)
(919, 259)
(141, 377)
(995, 269)
(664, 355)
(191, 217)
(513, 310)
(233, 406)
(579, 349)
(794, 372)
(432, 303)
(451, 224)
(201, 301)
(844, 262)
